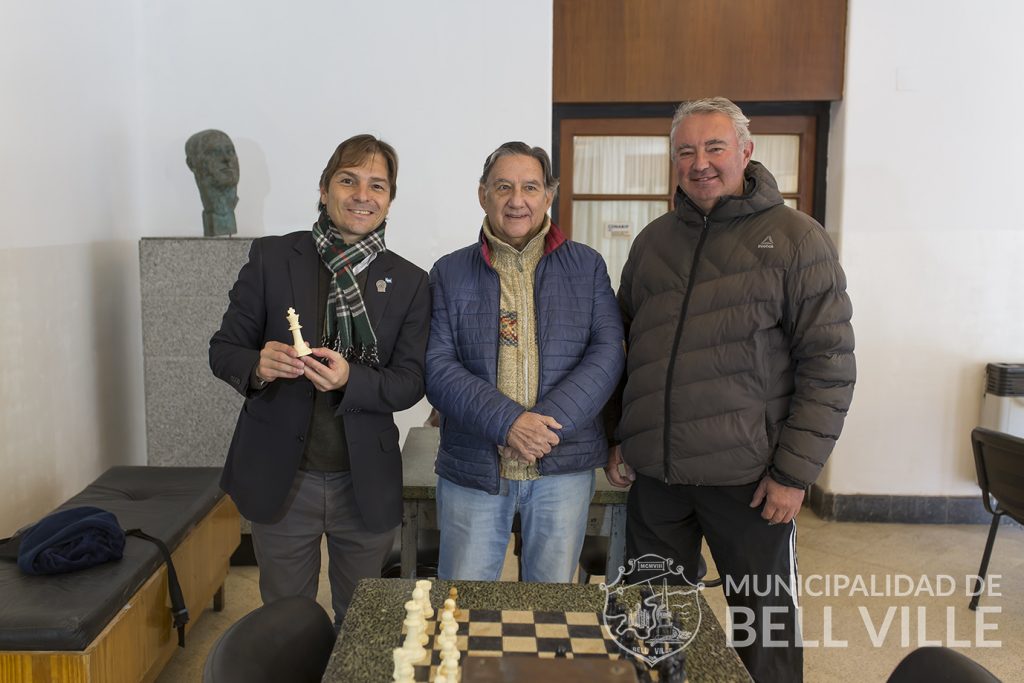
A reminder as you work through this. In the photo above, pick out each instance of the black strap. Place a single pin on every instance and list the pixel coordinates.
(178, 609)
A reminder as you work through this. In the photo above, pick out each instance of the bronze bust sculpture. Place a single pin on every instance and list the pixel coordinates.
(211, 156)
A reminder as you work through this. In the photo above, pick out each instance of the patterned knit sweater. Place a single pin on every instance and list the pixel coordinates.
(518, 357)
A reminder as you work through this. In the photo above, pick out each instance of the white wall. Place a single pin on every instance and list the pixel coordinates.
(71, 378)
(923, 177)
(99, 99)
(445, 83)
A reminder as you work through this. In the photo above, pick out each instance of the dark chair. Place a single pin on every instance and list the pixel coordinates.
(940, 665)
(595, 552)
(287, 640)
(428, 544)
(999, 460)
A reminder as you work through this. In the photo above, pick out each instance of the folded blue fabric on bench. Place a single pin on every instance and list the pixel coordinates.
(68, 540)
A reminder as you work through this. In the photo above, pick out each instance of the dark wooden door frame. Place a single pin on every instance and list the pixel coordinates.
(819, 110)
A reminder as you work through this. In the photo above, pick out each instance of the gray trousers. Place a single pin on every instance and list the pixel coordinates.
(288, 551)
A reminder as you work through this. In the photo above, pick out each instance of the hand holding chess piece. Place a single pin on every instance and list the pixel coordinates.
(294, 327)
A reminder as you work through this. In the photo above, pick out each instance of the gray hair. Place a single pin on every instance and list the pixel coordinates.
(713, 105)
(521, 148)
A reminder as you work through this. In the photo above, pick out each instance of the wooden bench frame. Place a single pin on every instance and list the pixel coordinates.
(139, 640)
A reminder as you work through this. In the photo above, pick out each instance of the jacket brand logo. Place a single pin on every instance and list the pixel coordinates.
(766, 243)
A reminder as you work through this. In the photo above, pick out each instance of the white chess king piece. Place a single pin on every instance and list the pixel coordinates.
(293, 325)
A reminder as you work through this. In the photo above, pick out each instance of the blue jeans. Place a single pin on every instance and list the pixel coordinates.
(475, 527)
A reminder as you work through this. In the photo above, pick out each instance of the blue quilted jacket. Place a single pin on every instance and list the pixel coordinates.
(580, 340)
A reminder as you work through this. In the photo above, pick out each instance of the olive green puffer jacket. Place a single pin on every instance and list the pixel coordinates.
(740, 348)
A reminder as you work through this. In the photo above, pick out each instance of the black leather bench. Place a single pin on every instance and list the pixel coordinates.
(80, 612)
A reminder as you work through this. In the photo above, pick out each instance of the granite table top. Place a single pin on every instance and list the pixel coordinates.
(373, 625)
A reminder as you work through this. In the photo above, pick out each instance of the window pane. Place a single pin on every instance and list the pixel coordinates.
(781, 155)
(790, 202)
(610, 226)
(620, 164)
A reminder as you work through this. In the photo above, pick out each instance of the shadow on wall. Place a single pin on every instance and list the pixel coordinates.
(253, 188)
(116, 390)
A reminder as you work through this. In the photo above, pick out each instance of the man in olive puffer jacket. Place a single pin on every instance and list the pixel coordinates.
(739, 374)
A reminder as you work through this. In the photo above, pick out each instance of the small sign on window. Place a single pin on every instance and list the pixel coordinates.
(618, 229)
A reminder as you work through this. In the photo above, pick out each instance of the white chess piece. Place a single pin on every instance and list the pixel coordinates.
(417, 597)
(449, 647)
(449, 627)
(428, 609)
(450, 640)
(450, 664)
(403, 673)
(414, 632)
(441, 678)
(422, 599)
(441, 642)
(293, 326)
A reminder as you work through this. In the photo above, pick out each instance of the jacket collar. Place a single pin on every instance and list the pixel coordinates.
(553, 240)
(760, 192)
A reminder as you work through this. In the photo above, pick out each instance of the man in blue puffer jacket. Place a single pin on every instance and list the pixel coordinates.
(526, 346)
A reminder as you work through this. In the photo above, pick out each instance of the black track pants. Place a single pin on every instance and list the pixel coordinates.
(756, 561)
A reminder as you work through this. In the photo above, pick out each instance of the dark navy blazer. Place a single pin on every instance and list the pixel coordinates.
(268, 443)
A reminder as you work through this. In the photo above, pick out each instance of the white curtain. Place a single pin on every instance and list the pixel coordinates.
(619, 164)
(590, 225)
(781, 155)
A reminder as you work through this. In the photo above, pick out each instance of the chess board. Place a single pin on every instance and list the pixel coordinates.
(493, 633)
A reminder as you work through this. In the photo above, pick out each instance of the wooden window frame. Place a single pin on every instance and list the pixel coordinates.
(572, 119)
(804, 127)
(605, 127)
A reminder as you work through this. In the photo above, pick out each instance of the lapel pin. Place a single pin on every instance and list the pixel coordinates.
(382, 285)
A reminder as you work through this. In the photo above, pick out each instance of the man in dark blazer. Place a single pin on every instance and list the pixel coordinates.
(315, 451)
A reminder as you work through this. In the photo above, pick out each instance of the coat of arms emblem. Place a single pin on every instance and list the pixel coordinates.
(652, 610)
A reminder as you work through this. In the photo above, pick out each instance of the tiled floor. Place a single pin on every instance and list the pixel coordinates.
(842, 621)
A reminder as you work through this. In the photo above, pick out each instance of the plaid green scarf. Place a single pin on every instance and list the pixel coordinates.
(347, 329)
